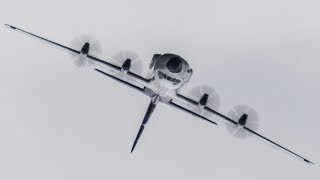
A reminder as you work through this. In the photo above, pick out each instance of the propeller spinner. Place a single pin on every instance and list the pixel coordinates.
(126, 66)
(203, 101)
(85, 49)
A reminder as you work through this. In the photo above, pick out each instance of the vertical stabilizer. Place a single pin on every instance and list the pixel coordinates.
(151, 107)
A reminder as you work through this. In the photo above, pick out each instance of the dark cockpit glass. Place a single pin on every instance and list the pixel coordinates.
(174, 64)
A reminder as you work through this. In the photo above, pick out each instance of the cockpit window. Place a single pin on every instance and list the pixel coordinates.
(174, 65)
(177, 81)
(160, 74)
(165, 76)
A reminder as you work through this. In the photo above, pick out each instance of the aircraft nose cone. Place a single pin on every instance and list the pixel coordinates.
(174, 64)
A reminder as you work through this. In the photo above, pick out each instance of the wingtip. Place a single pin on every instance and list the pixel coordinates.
(9, 26)
(309, 162)
(98, 70)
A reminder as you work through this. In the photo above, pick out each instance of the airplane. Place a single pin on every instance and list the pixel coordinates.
(169, 73)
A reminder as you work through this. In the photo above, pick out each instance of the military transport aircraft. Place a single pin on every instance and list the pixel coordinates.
(170, 72)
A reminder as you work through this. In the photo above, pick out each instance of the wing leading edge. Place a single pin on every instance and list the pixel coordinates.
(140, 79)
(185, 100)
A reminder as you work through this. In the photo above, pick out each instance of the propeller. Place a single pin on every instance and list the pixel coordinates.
(246, 117)
(206, 96)
(85, 44)
(122, 59)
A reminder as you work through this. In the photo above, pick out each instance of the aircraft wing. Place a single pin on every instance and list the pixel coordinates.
(130, 79)
(181, 99)
(143, 90)
(191, 111)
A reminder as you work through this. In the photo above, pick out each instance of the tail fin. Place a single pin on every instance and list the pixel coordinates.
(151, 107)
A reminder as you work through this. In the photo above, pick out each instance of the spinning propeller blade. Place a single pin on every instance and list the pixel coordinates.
(135, 65)
(246, 117)
(206, 96)
(86, 44)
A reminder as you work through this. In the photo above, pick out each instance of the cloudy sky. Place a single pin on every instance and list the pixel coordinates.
(58, 121)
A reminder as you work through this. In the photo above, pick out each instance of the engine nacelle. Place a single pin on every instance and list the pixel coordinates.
(203, 101)
(85, 49)
(243, 120)
(126, 66)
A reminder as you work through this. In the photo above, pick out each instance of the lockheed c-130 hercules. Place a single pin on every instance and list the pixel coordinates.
(169, 73)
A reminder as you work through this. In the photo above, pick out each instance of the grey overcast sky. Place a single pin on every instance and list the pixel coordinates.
(61, 122)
